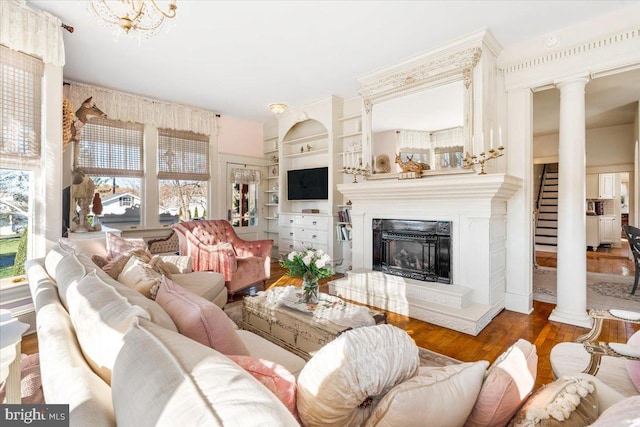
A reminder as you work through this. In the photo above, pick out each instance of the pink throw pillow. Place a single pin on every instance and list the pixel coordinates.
(117, 245)
(199, 319)
(275, 377)
(633, 366)
(507, 384)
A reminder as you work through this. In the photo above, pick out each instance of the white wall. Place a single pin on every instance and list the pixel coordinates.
(606, 146)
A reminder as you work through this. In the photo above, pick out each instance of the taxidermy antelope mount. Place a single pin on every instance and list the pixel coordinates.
(83, 187)
(411, 165)
(86, 111)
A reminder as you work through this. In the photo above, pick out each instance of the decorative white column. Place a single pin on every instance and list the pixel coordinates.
(572, 264)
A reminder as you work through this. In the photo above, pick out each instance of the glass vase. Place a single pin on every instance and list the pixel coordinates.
(310, 290)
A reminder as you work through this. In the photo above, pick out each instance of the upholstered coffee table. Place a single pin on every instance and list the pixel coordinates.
(298, 331)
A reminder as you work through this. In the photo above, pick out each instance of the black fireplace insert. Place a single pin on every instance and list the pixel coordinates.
(414, 249)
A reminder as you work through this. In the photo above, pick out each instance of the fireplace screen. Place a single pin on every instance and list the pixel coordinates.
(415, 249)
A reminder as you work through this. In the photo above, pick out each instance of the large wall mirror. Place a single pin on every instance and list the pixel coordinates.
(427, 126)
(422, 111)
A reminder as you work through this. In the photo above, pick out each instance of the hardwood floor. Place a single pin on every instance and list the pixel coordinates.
(503, 331)
(604, 260)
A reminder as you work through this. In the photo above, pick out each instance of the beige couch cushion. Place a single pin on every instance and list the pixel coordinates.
(205, 284)
(442, 396)
(345, 379)
(101, 310)
(66, 376)
(179, 382)
(53, 258)
(263, 349)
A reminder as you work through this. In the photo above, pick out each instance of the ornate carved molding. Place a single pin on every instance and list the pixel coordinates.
(440, 69)
(602, 43)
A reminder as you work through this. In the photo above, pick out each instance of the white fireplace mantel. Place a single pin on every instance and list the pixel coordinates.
(476, 205)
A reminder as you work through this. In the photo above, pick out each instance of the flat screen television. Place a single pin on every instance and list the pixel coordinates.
(308, 184)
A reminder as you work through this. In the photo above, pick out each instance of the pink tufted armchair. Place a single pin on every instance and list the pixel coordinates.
(214, 246)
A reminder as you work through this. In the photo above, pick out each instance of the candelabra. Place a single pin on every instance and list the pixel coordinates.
(482, 158)
(357, 170)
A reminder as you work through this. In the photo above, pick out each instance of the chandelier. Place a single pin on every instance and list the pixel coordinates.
(278, 108)
(143, 17)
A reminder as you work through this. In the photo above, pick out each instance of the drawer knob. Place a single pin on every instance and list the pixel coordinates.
(291, 234)
(314, 236)
(315, 222)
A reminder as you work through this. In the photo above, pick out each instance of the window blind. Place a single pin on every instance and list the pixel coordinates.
(183, 155)
(20, 106)
(111, 148)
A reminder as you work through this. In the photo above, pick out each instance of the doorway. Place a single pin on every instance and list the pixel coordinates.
(242, 198)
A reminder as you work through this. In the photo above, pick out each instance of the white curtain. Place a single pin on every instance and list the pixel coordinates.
(448, 137)
(245, 176)
(413, 139)
(127, 107)
(31, 31)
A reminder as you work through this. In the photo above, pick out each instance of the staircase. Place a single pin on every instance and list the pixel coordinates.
(546, 236)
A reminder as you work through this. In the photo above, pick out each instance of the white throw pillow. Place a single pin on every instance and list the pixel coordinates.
(162, 378)
(342, 383)
(140, 276)
(442, 396)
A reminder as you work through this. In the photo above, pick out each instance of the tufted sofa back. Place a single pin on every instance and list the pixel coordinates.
(210, 231)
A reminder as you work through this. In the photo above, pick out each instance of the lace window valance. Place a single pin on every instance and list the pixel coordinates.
(245, 176)
(127, 107)
(31, 31)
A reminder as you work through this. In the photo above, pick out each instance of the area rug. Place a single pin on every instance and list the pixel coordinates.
(604, 291)
(30, 384)
(427, 357)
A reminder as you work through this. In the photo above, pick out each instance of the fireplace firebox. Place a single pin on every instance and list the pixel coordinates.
(414, 249)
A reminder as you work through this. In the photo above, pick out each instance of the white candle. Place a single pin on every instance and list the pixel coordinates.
(500, 136)
(491, 137)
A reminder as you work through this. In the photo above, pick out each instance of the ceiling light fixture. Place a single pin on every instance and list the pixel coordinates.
(278, 108)
(142, 17)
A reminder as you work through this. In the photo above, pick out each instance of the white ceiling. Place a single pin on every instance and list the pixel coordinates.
(236, 57)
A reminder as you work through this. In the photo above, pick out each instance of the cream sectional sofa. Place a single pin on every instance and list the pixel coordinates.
(94, 333)
(116, 358)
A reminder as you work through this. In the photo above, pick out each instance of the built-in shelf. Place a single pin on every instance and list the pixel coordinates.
(345, 118)
(271, 218)
(272, 164)
(271, 191)
(307, 153)
(271, 152)
(271, 177)
(349, 152)
(270, 138)
(271, 204)
(307, 138)
(347, 135)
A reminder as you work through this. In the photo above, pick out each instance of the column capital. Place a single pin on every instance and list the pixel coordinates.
(579, 79)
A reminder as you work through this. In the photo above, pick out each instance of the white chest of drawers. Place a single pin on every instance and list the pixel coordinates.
(302, 231)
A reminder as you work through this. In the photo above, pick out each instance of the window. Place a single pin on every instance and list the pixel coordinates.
(111, 152)
(183, 172)
(20, 116)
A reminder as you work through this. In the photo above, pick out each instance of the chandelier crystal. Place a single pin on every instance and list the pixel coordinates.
(140, 17)
(277, 108)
